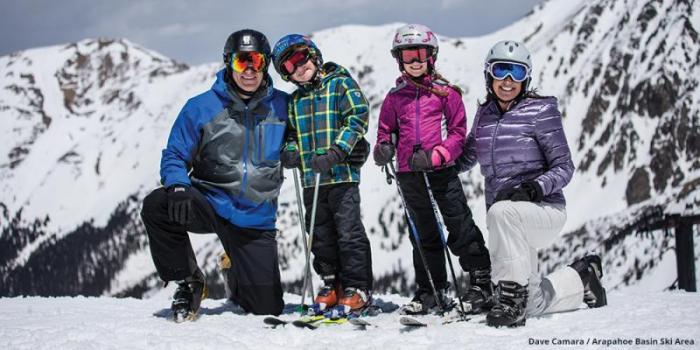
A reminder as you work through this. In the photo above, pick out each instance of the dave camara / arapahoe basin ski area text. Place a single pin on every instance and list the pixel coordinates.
(612, 342)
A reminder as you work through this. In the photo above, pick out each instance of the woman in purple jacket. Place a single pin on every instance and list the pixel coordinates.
(519, 142)
(427, 115)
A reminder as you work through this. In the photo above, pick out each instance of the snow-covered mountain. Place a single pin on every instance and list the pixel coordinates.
(84, 123)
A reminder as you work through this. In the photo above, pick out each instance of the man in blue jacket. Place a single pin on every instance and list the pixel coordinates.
(221, 173)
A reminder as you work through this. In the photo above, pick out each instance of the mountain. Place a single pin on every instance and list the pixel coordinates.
(86, 123)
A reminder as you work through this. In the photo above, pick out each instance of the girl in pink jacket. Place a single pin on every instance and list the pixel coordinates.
(426, 116)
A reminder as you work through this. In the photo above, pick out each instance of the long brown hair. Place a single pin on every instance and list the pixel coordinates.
(436, 77)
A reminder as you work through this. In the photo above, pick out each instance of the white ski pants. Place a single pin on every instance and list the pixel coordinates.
(516, 231)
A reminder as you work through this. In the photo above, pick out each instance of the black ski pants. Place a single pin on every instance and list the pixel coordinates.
(254, 277)
(464, 239)
(340, 245)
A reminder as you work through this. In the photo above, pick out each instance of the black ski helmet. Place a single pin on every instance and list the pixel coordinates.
(246, 40)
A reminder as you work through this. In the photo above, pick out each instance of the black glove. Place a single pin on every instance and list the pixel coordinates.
(179, 204)
(324, 162)
(529, 191)
(358, 155)
(290, 158)
(420, 160)
(383, 153)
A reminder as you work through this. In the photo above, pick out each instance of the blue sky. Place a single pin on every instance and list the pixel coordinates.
(194, 31)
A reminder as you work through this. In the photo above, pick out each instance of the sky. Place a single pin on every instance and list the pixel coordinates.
(195, 32)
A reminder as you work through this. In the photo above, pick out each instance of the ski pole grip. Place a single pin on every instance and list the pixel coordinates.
(320, 152)
(291, 146)
(394, 138)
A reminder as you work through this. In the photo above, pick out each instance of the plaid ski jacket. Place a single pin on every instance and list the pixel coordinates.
(334, 112)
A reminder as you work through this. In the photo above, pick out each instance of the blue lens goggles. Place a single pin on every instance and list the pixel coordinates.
(499, 70)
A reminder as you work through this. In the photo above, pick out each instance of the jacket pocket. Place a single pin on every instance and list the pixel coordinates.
(219, 159)
(269, 137)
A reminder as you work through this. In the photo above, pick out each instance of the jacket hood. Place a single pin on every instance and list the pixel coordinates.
(329, 71)
(333, 70)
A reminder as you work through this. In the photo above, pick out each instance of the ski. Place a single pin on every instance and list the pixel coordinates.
(305, 324)
(313, 322)
(304, 321)
(359, 322)
(327, 317)
(410, 321)
(274, 321)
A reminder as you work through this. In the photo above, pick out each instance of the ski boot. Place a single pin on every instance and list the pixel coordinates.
(424, 303)
(479, 296)
(590, 268)
(188, 296)
(510, 305)
(327, 296)
(354, 301)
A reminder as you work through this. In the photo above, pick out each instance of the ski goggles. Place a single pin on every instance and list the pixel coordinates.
(415, 54)
(500, 70)
(241, 61)
(295, 59)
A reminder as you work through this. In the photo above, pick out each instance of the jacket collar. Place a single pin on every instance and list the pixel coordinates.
(228, 95)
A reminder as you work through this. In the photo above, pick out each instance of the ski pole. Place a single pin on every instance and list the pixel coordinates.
(311, 227)
(302, 229)
(416, 237)
(441, 229)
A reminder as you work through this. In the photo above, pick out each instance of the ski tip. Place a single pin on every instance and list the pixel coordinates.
(359, 322)
(302, 324)
(411, 322)
(274, 321)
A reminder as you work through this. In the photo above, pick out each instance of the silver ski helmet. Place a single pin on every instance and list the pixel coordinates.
(508, 51)
(415, 35)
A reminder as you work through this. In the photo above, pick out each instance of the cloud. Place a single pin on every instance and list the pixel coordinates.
(178, 29)
(195, 33)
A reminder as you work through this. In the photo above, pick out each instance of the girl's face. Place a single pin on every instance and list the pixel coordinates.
(416, 69)
(305, 72)
(506, 89)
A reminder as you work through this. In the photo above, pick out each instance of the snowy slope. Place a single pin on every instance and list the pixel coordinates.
(107, 323)
(85, 128)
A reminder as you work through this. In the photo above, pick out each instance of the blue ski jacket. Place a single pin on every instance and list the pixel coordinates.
(229, 150)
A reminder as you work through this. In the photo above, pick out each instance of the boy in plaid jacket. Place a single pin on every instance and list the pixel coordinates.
(328, 117)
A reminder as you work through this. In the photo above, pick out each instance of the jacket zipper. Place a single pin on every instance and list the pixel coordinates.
(493, 144)
(260, 142)
(244, 182)
(418, 141)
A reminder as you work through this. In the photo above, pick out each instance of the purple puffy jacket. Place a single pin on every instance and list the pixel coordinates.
(525, 143)
(417, 115)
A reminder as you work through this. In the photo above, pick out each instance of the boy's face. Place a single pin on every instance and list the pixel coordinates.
(305, 72)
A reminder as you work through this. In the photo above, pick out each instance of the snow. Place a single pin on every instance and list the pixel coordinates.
(108, 323)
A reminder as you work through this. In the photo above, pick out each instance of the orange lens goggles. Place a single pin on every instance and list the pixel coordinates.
(240, 61)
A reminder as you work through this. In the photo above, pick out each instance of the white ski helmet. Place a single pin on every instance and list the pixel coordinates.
(511, 51)
(414, 35)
